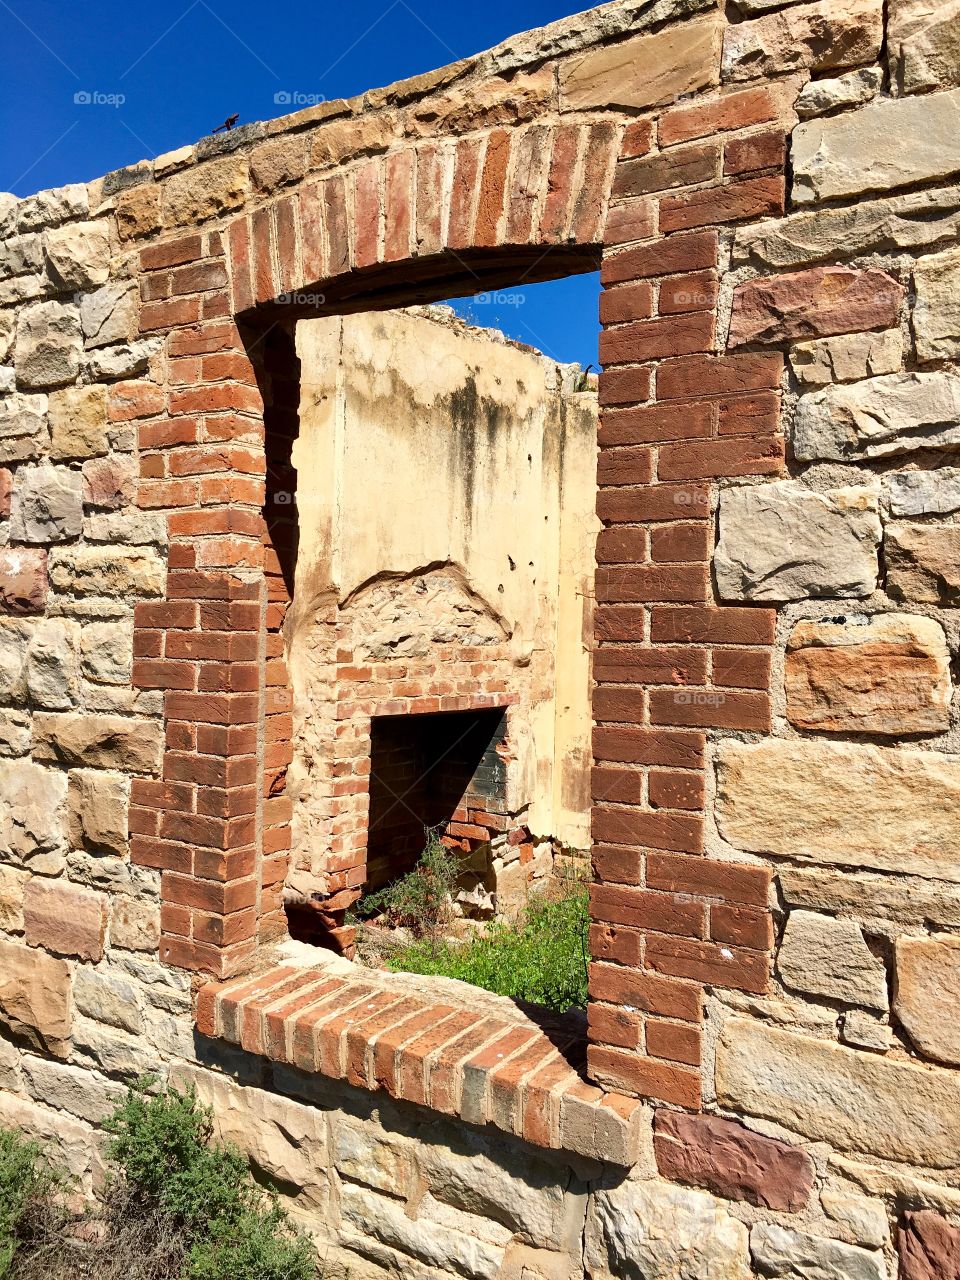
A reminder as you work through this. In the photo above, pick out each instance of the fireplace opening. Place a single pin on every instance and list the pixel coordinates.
(443, 773)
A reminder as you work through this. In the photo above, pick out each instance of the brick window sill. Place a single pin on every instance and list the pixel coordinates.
(436, 1042)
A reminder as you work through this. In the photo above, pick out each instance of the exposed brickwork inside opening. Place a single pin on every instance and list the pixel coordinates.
(676, 417)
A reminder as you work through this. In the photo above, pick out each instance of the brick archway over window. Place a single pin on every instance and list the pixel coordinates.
(427, 219)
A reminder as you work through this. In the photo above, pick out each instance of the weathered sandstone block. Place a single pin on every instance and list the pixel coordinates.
(51, 669)
(138, 211)
(920, 219)
(936, 315)
(929, 1247)
(209, 189)
(854, 1101)
(12, 884)
(828, 957)
(784, 541)
(777, 1252)
(923, 562)
(31, 817)
(654, 1229)
(645, 70)
(898, 413)
(817, 97)
(923, 43)
(848, 358)
(35, 997)
(82, 1093)
(50, 208)
(815, 303)
(23, 427)
(109, 314)
(78, 422)
(871, 897)
(23, 579)
(927, 995)
(78, 255)
(106, 652)
(48, 345)
(890, 143)
(47, 505)
(73, 1143)
(64, 919)
(807, 800)
(106, 996)
(923, 493)
(99, 741)
(134, 925)
(111, 482)
(818, 37)
(107, 571)
(888, 674)
(97, 804)
(730, 1160)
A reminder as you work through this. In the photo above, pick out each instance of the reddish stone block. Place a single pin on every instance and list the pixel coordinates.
(814, 304)
(64, 919)
(730, 1160)
(929, 1247)
(23, 579)
(6, 487)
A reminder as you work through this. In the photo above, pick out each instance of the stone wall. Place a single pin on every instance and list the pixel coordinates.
(772, 1078)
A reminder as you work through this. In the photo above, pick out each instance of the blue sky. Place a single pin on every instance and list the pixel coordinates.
(92, 86)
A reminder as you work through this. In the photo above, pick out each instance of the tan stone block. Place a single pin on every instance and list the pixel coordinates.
(78, 254)
(340, 140)
(893, 414)
(101, 741)
(824, 956)
(890, 143)
(843, 804)
(923, 562)
(887, 674)
(78, 422)
(31, 816)
(138, 211)
(204, 191)
(64, 919)
(817, 37)
(927, 995)
(923, 42)
(506, 99)
(73, 1143)
(854, 1101)
(645, 70)
(936, 315)
(279, 161)
(12, 884)
(35, 997)
(876, 898)
(134, 924)
(48, 344)
(107, 571)
(97, 804)
(847, 358)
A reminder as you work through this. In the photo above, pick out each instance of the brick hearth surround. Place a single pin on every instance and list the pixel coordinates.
(677, 415)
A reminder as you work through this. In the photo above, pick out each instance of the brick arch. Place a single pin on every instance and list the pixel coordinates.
(426, 220)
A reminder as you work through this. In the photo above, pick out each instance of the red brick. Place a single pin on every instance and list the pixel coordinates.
(697, 252)
(620, 623)
(641, 664)
(625, 466)
(637, 139)
(617, 864)
(659, 502)
(643, 909)
(633, 220)
(733, 202)
(398, 206)
(728, 881)
(757, 414)
(678, 748)
(466, 173)
(681, 542)
(626, 302)
(742, 926)
(657, 339)
(767, 150)
(716, 964)
(622, 545)
(693, 376)
(682, 167)
(728, 624)
(645, 1077)
(711, 708)
(628, 584)
(734, 457)
(129, 400)
(563, 164)
(172, 253)
(673, 1041)
(172, 313)
(593, 184)
(693, 291)
(624, 386)
(616, 944)
(676, 790)
(608, 1024)
(674, 832)
(737, 110)
(654, 424)
(366, 212)
(741, 669)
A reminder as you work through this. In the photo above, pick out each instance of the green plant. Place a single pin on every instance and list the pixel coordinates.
(541, 958)
(256, 1246)
(420, 900)
(27, 1182)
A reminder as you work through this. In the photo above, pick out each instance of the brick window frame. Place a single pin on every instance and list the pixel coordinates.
(671, 664)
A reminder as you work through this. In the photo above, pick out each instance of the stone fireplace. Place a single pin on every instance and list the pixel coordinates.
(442, 599)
